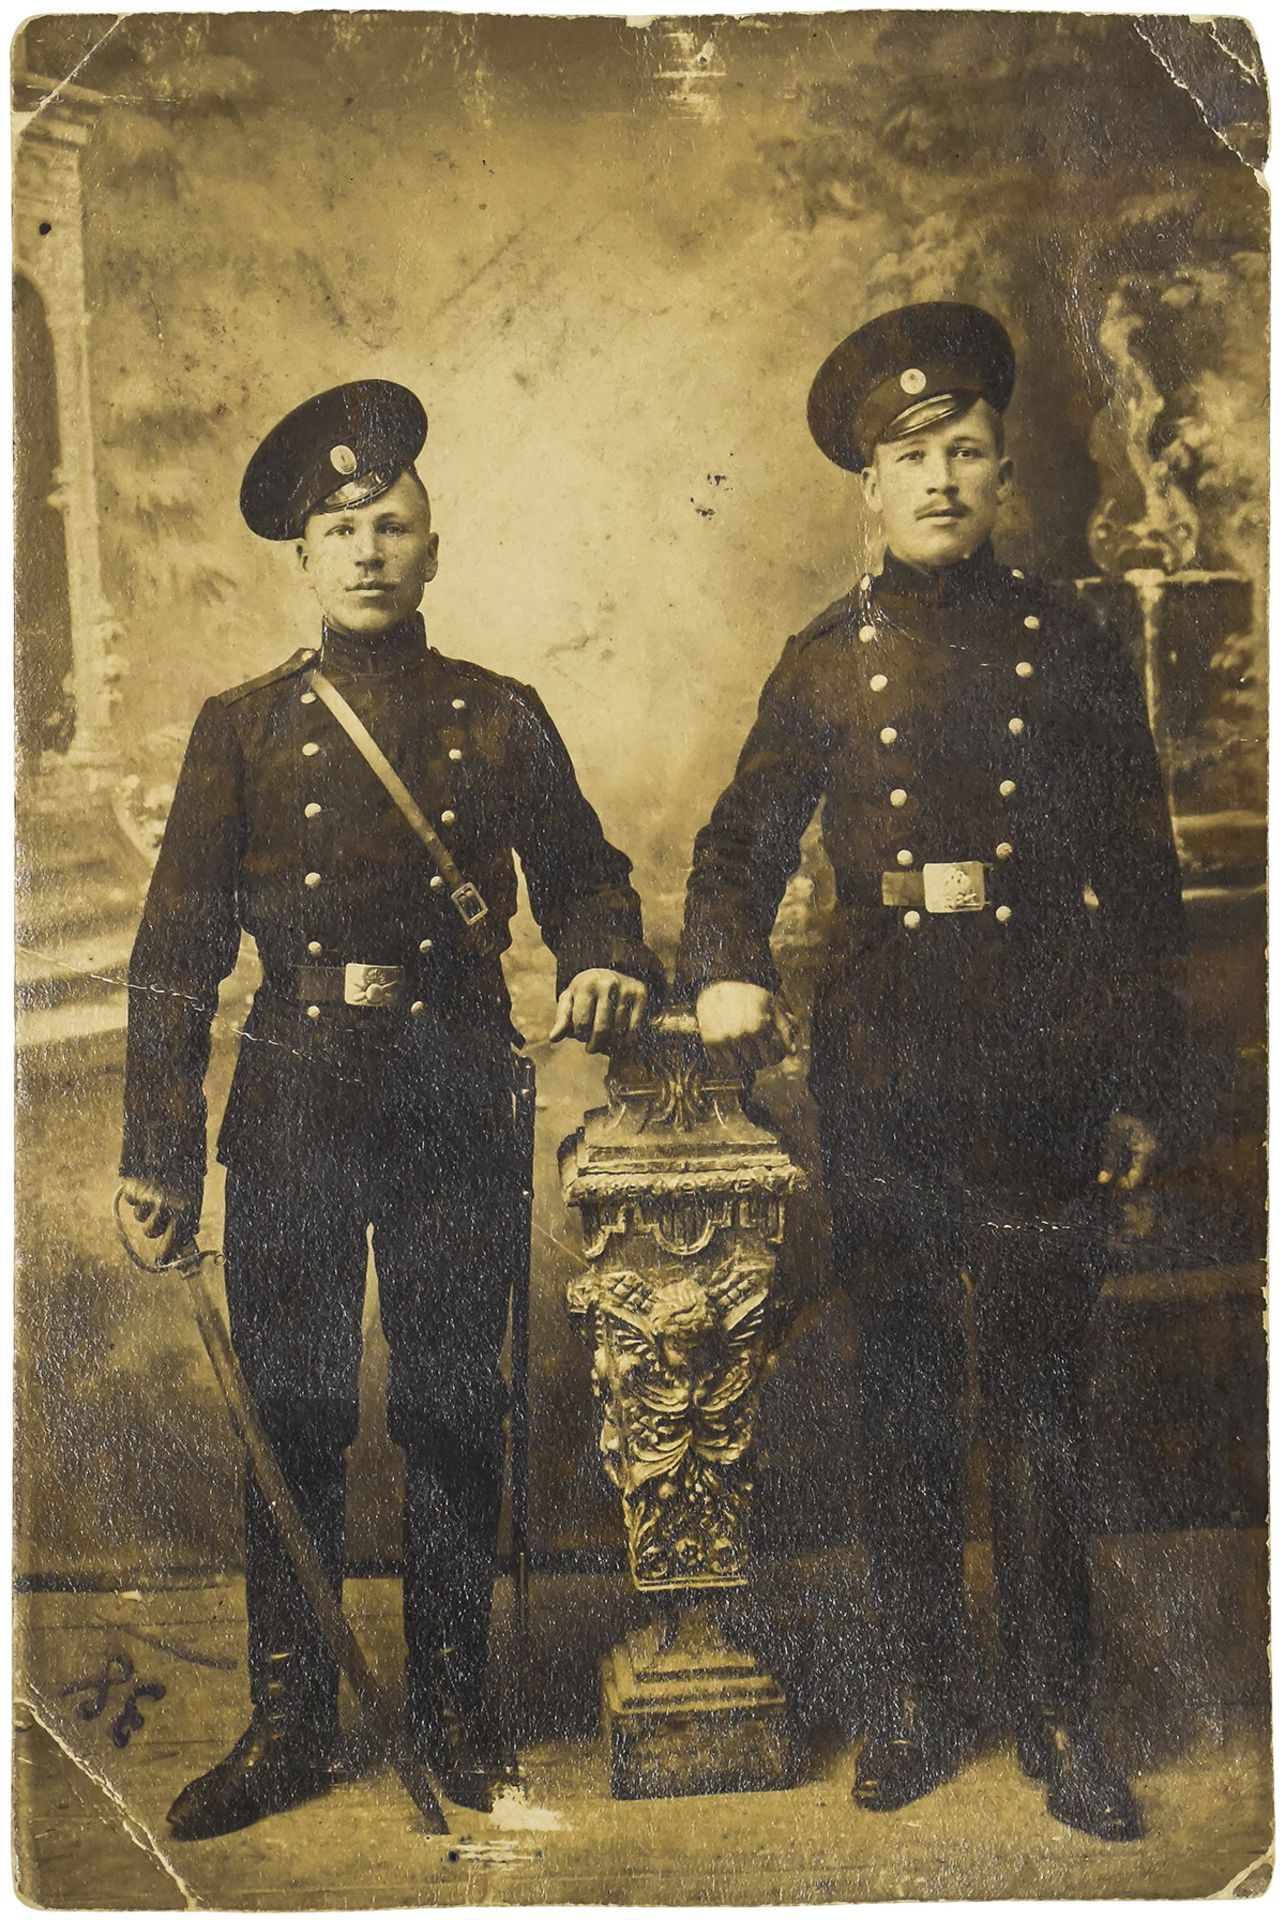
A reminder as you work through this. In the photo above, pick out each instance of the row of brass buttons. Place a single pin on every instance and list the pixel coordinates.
(313, 809)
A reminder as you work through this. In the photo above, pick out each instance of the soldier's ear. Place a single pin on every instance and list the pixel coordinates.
(1004, 484)
(870, 488)
(301, 556)
(430, 558)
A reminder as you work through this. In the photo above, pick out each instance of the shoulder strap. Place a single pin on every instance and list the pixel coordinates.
(465, 897)
(297, 661)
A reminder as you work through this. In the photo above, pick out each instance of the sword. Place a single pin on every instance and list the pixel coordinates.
(192, 1265)
(519, 1361)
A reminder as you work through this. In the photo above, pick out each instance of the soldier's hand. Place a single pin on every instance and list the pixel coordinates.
(1127, 1152)
(165, 1214)
(600, 1007)
(744, 1027)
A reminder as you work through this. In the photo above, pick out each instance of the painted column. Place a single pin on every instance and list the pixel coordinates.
(52, 122)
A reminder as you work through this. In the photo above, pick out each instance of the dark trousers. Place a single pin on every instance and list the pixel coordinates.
(915, 1208)
(446, 1222)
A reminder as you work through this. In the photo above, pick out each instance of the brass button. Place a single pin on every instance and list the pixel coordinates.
(1017, 725)
(1003, 914)
(306, 699)
(312, 809)
(417, 1006)
(1004, 850)
(911, 919)
(866, 633)
(1024, 670)
(426, 946)
(878, 681)
(898, 797)
(448, 818)
(905, 858)
(1018, 574)
(1032, 621)
(314, 946)
(312, 879)
(310, 747)
(1007, 788)
(887, 735)
(864, 583)
(437, 883)
(458, 705)
(456, 753)
(314, 1013)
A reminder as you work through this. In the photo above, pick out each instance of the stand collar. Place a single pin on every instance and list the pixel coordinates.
(391, 651)
(940, 586)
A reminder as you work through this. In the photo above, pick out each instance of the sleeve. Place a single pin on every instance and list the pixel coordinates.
(744, 857)
(187, 943)
(588, 913)
(1134, 873)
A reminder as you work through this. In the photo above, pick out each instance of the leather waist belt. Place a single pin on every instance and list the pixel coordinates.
(941, 886)
(355, 985)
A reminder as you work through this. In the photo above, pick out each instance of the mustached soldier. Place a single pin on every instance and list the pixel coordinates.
(990, 1048)
(374, 1083)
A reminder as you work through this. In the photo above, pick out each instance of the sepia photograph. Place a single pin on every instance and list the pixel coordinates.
(640, 780)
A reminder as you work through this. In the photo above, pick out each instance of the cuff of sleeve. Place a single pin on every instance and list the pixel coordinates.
(181, 1175)
(701, 966)
(576, 955)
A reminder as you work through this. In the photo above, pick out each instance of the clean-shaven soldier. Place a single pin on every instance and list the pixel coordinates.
(373, 1087)
(993, 1035)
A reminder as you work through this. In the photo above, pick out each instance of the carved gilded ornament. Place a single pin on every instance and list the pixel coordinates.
(682, 1201)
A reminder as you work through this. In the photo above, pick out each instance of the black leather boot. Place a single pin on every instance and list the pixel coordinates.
(913, 1748)
(287, 1753)
(1086, 1790)
(450, 1520)
(464, 1754)
(280, 1761)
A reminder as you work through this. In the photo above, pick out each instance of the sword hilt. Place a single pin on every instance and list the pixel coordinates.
(184, 1260)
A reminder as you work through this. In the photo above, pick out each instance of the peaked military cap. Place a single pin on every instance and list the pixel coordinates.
(342, 448)
(904, 371)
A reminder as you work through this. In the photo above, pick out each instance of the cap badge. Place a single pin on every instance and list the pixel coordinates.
(344, 460)
(913, 380)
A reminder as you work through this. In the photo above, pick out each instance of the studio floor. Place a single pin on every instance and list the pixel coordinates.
(92, 1787)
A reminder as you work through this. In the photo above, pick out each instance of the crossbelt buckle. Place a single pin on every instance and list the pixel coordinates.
(372, 986)
(468, 903)
(954, 886)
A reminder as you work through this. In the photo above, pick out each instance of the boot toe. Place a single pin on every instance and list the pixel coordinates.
(268, 1771)
(893, 1773)
(1086, 1790)
(1106, 1811)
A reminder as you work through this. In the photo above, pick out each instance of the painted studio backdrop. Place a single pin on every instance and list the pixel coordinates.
(610, 258)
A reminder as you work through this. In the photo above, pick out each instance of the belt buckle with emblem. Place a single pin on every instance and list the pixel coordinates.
(371, 986)
(954, 886)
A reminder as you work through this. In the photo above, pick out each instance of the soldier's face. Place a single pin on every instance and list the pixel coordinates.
(369, 565)
(939, 492)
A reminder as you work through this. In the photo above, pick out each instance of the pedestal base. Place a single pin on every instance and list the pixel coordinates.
(682, 1718)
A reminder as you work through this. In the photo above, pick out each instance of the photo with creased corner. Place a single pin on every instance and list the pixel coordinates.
(640, 736)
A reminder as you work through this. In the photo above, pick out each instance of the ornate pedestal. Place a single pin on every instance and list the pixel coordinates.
(682, 1202)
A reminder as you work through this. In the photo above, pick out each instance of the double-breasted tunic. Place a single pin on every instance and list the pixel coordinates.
(277, 828)
(971, 719)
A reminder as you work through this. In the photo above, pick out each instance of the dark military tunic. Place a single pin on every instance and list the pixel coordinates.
(279, 828)
(964, 1062)
(347, 1116)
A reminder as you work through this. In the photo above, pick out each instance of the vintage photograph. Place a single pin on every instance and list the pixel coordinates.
(641, 706)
